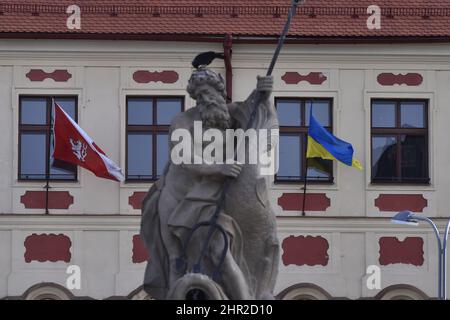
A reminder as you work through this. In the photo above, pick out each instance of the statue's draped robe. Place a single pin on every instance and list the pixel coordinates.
(165, 226)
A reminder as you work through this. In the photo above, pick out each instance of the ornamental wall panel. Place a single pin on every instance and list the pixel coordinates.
(401, 80)
(47, 76)
(156, 78)
(301, 79)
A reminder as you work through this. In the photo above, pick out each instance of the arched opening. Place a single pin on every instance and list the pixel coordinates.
(401, 292)
(304, 291)
(47, 291)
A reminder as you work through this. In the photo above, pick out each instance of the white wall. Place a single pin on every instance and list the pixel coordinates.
(102, 78)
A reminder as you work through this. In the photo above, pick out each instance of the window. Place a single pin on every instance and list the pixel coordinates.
(293, 115)
(148, 123)
(36, 139)
(399, 141)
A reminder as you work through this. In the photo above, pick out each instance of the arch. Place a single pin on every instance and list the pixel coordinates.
(304, 291)
(47, 291)
(401, 292)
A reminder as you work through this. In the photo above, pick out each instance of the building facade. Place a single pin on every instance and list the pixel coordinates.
(388, 99)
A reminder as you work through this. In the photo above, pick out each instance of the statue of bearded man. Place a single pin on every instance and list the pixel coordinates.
(187, 194)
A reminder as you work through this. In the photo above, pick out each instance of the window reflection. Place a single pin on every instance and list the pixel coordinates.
(294, 114)
(289, 113)
(32, 155)
(412, 115)
(33, 111)
(140, 158)
(400, 153)
(413, 156)
(383, 114)
(290, 160)
(148, 124)
(384, 157)
(35, 131)
(167, 109)
(319, 169)
(68, 105)
(162, 152)
(320, 110)
(140, 111)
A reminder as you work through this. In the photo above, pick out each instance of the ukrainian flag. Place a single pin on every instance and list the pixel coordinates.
(322, 144)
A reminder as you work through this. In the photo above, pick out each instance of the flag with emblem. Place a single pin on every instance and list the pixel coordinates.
(73, 145)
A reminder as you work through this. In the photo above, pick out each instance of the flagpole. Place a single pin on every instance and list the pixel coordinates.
(47, 174)
(306, 164)
(304, 186)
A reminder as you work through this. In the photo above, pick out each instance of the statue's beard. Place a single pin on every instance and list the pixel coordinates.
(215, 115)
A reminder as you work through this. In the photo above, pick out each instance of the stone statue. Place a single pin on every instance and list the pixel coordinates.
(187, 194)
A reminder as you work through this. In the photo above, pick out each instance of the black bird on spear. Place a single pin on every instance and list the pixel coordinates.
(205, 58)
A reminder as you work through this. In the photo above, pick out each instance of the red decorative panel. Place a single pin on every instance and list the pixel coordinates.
(143, 76)
(41, 75)
(135, 200)
(311, 251)
(312, 77)
(56, 200)
(400, 202)
(47, 247)
(294, 202)
(140, 253)
(394, 251)
(410, 79)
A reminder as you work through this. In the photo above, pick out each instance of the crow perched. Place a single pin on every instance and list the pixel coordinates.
(205, 58)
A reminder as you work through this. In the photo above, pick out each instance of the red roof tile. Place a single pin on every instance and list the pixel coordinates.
(315, 19)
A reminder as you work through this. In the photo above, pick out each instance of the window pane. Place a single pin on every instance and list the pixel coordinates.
(384, 157)
(32, 155)
(383, 114)
(290, 161)
(166, 109)
(412, 114)
(319, 169)
(414, 157)
(140, 111)
(33, 111)
(68, 105)
(139, 156)
(321, 111)
(162, 141)
(60, 170)
(289, 112)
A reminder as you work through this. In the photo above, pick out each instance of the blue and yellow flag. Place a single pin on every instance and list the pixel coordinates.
(322, 144)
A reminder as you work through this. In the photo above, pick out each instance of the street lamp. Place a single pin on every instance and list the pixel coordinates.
(409, 218)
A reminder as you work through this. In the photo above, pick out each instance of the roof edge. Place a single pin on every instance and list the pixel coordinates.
(220, 38)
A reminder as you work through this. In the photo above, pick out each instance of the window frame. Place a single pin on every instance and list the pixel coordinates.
(398, 131)
(46, 128)
(302, 131)
(154, 129)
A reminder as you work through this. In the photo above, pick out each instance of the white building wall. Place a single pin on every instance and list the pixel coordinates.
(101, 222)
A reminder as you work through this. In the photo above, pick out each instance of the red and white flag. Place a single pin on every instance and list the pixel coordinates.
(73, 145)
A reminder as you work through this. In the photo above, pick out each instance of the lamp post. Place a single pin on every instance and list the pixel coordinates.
(409, 218)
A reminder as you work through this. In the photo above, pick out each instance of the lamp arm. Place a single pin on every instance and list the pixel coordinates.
(444, 263)
(441, 290)
(447, 229)
(432, 224)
